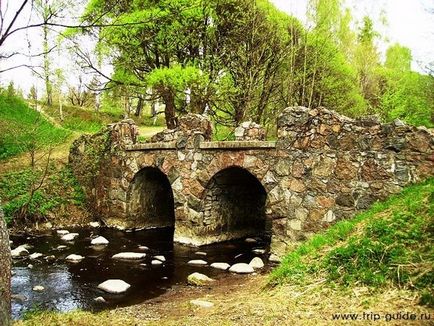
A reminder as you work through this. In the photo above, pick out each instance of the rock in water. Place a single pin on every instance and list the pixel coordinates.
(62, 232)
(94, 224)
(99, 241)
(19, 251)
(199, 279)
(99, 300)
(241, 268)
(38, 288)
(258, 251)
(200, 253)
(156, 262)
(250, 240)
(256, 263)
(69, 236)
(129, 256)
(160, 258)
(35, 255)
(223, 266)
(114, 286)
(197, 262)
(202, 303)
(74, 258)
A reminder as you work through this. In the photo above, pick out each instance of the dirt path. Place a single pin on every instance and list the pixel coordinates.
(245, 300)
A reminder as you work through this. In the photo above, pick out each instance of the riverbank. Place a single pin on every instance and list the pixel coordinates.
(245, 300)
(375, 268)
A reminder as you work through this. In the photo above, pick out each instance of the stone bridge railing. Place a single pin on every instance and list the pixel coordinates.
(323, 167)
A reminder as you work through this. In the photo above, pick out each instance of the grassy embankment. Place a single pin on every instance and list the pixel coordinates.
(380, 263)
(26, 132)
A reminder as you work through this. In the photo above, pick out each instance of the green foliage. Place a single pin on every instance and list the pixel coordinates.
(246, 60)
(390, 244)
(24, 129)
(59, 188)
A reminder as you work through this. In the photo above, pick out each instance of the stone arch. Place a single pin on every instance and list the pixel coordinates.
(234, 205)
(150, 200)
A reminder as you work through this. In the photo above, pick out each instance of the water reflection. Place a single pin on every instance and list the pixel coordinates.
(69, 286)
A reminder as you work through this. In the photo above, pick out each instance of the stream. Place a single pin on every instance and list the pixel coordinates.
(69, 286)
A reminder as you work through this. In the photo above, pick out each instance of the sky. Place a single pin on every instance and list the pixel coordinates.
(408, 23)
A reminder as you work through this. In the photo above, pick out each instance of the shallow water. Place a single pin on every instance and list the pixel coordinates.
(70, 286)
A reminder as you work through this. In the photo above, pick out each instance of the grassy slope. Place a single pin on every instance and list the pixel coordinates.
(22, 128)
(350, 268)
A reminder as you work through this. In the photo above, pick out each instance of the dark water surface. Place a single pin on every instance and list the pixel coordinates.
(70, 286)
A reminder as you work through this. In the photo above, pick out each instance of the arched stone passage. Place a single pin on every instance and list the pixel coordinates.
(150, 199)
(234, 205)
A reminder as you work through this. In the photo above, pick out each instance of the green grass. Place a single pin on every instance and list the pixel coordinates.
(388, 245)
(24, 129)
(80, 119)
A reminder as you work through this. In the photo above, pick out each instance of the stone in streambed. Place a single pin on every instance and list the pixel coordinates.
(202, 303)
(129, 256)
(222, 266)
(99, 241)
(74, 258)
(62, 232)
(69, 236)
(256, 263)
(35, 255)
(197, 262)
(114, 286)
(38, 288)
(199, 279)
(156, 262)
(241, 268)
(99, 300)
(19, 251)
(160, 258)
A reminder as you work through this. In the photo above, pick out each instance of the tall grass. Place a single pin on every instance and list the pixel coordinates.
(23, 129)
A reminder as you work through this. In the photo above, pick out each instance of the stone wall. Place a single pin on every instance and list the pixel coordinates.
(324, 167)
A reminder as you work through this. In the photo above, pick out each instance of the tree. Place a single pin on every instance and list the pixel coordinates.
(5, 273)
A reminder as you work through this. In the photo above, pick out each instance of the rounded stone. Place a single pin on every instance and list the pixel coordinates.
(69, 236)
(74, 258)
(199, 279)
(241, 268)
(256, 263)
(160, 258)
(114, 286)
(99, 241)
(129, 255)
(197, 262)
(222, 266)
(202, 303)
(38, 288)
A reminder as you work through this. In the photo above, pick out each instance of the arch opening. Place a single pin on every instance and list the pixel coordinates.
(235, 205)
(150, 199)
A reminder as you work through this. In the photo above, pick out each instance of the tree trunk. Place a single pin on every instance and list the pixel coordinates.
(5, 273)
(48, 86)
(169, 111)
(139, 107)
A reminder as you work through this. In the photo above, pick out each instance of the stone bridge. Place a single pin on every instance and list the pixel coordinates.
(322, 168)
